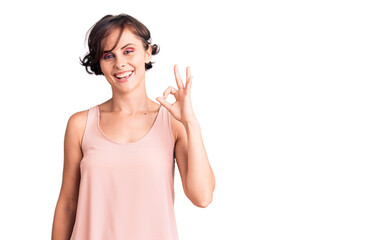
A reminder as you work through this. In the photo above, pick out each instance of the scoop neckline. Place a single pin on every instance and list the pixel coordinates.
(126, 143)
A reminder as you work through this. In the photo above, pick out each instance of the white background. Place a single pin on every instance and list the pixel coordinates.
(293, 100)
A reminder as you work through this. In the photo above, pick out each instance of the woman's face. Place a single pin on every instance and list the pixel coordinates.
(124, 66)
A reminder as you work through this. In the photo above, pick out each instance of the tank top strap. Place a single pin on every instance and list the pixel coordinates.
(165, 123)
(90, 131)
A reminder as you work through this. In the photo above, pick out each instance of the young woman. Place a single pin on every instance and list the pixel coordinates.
(119, 156)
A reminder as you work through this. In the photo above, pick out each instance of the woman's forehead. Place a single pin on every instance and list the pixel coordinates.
(126, 37)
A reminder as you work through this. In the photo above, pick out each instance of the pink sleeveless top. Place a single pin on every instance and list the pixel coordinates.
(126, 189)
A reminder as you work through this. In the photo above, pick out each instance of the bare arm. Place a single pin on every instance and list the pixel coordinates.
(197, 176)
(200, 179)
(65, 212)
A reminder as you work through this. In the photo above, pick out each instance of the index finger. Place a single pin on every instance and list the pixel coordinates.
(178, 77)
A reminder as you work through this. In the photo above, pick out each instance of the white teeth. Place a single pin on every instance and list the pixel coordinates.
(124, 74)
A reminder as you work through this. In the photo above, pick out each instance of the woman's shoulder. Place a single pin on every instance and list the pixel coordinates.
(77, 123)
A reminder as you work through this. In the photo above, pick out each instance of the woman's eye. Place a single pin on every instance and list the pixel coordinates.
(107, 56)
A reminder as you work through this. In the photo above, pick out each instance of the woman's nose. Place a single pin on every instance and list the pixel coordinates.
(120, 63)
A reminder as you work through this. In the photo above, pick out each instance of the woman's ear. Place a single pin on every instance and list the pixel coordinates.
(148, 54)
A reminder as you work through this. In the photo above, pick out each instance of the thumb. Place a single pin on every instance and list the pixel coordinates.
(164, 103)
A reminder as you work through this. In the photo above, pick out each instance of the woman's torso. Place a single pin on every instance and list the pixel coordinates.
(126, 186)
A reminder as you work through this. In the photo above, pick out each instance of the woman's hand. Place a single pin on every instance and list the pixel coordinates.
(181, 109)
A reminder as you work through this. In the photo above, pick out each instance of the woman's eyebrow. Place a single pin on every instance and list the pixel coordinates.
(122, 47)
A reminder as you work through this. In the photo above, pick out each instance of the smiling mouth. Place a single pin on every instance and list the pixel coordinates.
(123, 75)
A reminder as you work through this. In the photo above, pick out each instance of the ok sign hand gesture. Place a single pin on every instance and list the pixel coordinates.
(181, 109)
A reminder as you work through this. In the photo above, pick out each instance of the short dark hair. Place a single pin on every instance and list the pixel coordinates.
(103, 28)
